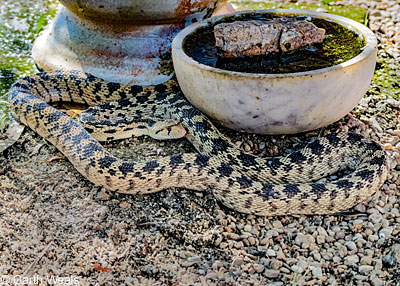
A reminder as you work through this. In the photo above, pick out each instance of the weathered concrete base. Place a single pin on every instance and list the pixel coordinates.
(127, 46)
(116, 53)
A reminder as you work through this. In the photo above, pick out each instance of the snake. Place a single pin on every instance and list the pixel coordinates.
(264, 186)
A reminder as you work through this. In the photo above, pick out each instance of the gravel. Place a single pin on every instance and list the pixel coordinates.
(55, 222)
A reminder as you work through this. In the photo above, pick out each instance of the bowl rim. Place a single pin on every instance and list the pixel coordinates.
(368, 36)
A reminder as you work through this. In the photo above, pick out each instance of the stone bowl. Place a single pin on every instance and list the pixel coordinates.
(276, 103)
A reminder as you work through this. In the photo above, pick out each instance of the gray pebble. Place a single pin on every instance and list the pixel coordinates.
(393, 102)
(318, 221)
(388, 261)
(191, 261)
(351, 245)
(303, 264)
(275, 264)
(373, 237)
(233, 236)
(396, 251)
(252, 240)
(351, 260)
(321, 230)
(385, 232)
(360, 277)
(380, 242)
(320, 239)
(377, 264)
(271, 273)
(238, 261)
(277, 224)
(297, 269)
(211, 275)
(247, 148)
(316, 271)
(217, 264)
(340, 234)
(264, 241)
(305, 245)
(395, 212)
(258, 268)
(377, 282)
(395, 140)
(369, 252)
(360, 208)
(327, 256)
(272, 233)
(365, 269)
(264, 261)
(271, 252)
(375, 218)
(376, 13)
(317, 256)
(301, 238)
(254, 251)
(247, 228)
(284, 270)
(366, 260)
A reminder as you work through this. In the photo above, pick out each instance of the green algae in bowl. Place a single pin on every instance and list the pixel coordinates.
(340, 44)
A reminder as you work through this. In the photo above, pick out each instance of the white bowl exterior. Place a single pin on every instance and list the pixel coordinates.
(277, 103)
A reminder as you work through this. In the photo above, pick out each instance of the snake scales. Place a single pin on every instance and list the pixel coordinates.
(241, 181)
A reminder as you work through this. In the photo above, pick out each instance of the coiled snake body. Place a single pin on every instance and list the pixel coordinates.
(241, 181)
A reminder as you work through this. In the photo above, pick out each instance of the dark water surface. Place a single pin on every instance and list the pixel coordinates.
(340, 44)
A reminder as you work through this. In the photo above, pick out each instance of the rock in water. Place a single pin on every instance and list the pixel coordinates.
(300, 33)
(254, 38)
(245, 38)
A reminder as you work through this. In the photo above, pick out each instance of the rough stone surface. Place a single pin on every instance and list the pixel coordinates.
(251, 38)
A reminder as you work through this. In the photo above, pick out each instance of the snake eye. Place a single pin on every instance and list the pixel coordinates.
(287, 46)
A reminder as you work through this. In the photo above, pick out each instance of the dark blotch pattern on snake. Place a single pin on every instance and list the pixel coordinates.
(241, 181)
